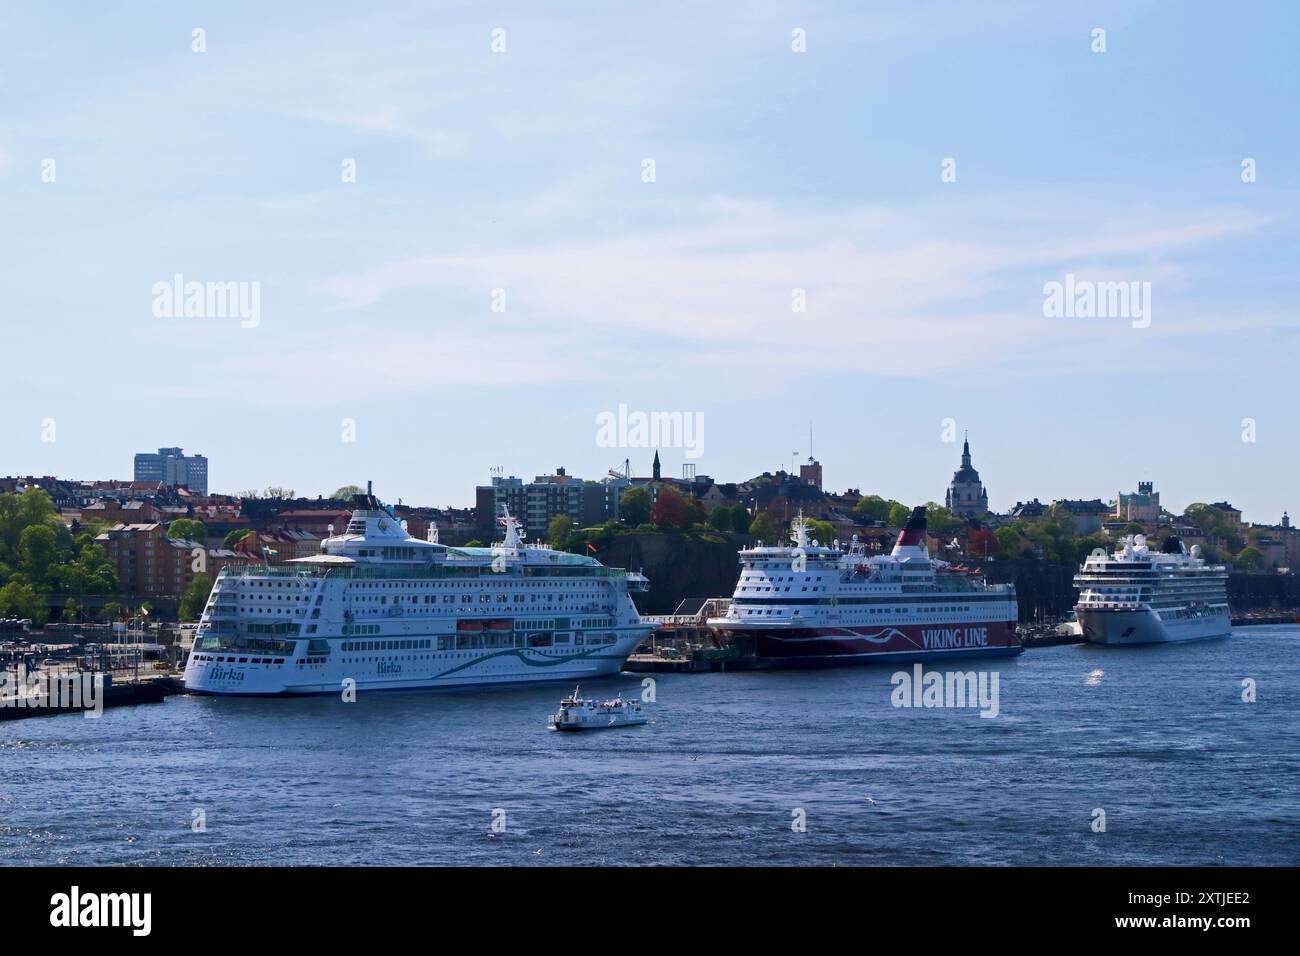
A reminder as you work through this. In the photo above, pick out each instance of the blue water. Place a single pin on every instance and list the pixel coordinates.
(1156, 737)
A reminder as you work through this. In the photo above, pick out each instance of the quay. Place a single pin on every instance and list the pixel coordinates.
(1265, 617)
(1050, 635)
(683, 643)
(138, 672)
(123, 692)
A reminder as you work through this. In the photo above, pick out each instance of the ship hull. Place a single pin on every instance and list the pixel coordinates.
(1124, 628)
(429, 671)
(606, 725)
(896, 644)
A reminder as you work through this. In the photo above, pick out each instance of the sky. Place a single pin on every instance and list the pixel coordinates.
(474, 229)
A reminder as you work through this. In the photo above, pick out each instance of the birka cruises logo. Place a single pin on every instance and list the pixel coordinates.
(225, 673)
(951, 689)
(75, 909)
(180, 299)
(53, 690)
(389, 667)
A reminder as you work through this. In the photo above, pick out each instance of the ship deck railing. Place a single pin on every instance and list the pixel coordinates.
(428, 571)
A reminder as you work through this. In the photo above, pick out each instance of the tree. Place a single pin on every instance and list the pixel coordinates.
(275, 491)
(898, 515)
(695, 513)
(823, 532)
(90, 573)
(940, 520)
(720, 518)
(634, 506)
(740, 519)
(236, 536)
(22, 601)
(1087, 544)
(70, 611)
(1009, 542)
(346, 492)
(188, 529)
(1250, 559)
(18, 512)
(559, 532)
(670, 509)
(1055, 539)
(36, 550)
(764, 528)
(984, 543)
(874, 507)
(195, 598)
(1215, 523)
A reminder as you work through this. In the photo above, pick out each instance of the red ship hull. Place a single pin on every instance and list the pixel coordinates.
(888, 644)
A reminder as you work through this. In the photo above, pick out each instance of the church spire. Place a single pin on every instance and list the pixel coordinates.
(967, 495)
(656, 466)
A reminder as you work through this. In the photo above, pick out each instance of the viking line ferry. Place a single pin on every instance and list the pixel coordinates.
(389, 611)
(809, 604)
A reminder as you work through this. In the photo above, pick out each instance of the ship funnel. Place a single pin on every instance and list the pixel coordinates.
(913, 533)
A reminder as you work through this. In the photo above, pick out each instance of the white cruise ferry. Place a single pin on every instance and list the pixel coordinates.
(816, 605)
(389, 611)
(1140, 596)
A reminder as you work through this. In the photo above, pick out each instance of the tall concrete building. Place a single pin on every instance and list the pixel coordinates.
(171, 467)
(536, 502)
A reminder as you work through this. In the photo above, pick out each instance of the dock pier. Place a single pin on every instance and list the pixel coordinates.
(116, 693)
(683, 643)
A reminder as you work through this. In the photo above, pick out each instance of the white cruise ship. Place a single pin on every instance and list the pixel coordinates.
(1140, 596)
(817, 605)
(389, 611)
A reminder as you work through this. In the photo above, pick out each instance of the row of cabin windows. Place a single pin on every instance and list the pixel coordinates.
(410, 645)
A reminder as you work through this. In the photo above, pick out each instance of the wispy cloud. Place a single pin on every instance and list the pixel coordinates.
(876, 280)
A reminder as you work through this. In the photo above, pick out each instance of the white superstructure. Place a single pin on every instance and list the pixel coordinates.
(1140, 596)
(388, 611)
(579, 713)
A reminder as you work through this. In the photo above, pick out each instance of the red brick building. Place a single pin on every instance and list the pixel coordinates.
(151, 566)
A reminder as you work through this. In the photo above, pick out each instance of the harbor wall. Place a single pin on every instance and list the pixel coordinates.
(1257, 591)
(679, 565)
